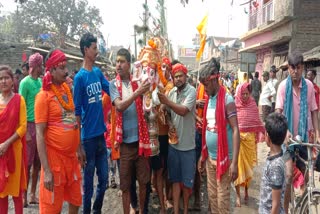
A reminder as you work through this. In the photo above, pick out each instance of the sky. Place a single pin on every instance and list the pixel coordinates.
(119, 17)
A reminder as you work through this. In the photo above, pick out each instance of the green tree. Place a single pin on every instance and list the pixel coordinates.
(63, 18)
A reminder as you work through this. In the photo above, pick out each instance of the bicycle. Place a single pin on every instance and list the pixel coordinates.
(309, 203)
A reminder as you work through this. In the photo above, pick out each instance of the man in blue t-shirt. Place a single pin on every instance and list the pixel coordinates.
(88, 85)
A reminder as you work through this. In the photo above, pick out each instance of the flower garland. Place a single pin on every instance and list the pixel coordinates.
(162, 78)
(159, 70)
(152, 44)
(67, 106)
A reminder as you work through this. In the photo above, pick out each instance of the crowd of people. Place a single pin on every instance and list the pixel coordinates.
(67, 130)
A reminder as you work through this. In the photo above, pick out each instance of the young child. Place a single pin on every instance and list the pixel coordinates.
(273, 178)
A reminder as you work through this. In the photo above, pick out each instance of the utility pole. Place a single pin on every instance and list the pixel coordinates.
(145, 16)
(135, 42)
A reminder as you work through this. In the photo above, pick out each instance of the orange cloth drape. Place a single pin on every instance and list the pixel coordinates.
(115, 154)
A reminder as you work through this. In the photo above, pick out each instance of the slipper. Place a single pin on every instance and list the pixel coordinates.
(33, 202)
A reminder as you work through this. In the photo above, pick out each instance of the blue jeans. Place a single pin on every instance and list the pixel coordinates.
(96, 153)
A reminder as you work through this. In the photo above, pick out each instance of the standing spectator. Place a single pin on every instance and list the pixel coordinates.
(18, 76)
(131, 137)
(220, 139)
(245, 77)
(311, 75)
(29, 88)
(235, 82)
(181, 104)
(25, 69)
(256, 88)
(88, 85)
(296, 100)
(268, 91)
(227, 81)
(273, 179)
(58, 139)
(250, 127)
(13, 158)
(274, 80)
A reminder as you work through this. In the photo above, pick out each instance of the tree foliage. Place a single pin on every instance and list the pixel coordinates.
(63, 18)
(21, 1)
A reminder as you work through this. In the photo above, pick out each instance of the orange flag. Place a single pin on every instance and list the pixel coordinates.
(202, 29)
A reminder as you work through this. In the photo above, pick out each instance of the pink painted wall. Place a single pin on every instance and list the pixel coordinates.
(261, 54)
(261, 38)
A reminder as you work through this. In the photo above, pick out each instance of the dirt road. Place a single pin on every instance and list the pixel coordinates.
(113, 204)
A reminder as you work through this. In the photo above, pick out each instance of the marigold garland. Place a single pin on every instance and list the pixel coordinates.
(162, 78)
(152, 44)
(67, 106)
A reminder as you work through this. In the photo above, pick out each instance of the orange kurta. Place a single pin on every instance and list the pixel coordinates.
(17, 181)
(62, 138)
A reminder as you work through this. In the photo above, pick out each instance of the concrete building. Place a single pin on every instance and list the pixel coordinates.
(278, 27)
(226, 49)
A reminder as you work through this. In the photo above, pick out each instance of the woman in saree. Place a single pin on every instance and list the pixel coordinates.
(13, 122)
(251, 130)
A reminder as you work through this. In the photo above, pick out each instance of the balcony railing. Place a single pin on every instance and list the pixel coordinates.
(253, 21)
(267, 12)
(261, 16)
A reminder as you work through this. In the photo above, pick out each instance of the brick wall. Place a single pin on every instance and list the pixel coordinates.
(11, 54)
(306, 31)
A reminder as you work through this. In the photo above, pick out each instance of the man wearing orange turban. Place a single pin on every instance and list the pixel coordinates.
(58, 139)
(181, 104)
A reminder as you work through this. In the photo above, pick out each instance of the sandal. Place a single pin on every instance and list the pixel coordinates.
(33, 200)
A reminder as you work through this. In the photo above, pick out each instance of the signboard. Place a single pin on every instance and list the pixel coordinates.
(190, 52)
(187, 52)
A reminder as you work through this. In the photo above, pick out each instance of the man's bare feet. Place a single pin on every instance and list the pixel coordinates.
(169, 204)
(238, 202)
(132, 210)
(33, 199)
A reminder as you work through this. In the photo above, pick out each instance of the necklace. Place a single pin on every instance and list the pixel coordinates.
(67, 106)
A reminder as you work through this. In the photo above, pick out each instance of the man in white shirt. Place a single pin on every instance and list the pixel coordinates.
(268, 91)
(273, 78)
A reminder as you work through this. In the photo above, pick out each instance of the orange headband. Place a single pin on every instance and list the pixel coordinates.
(179, 67)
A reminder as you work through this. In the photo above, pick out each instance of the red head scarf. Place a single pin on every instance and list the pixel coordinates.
(167, 61)
(179, 67)
(247, 112)
(57, 58)
(34, 61)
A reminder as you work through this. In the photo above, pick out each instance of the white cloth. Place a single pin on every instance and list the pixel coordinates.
(267, 91)
(274, 83)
